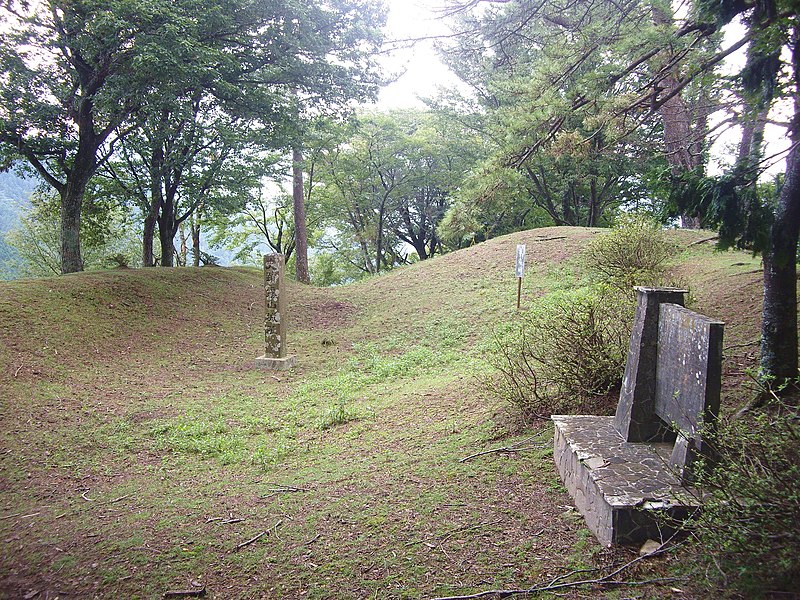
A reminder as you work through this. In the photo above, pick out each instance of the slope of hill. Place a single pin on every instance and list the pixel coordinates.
(141, 452)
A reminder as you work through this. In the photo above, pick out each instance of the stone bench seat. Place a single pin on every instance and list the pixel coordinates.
(625, 491)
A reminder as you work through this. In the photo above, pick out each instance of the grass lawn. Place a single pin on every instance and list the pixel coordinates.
(141, 451)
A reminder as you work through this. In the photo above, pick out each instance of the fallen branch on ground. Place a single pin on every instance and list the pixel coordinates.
(282, 489)
(186, 593)
(744, 345)
(223, 520)
(258, 537)
(451, 533)
(704, 240)
(20, 515)
(559, 584)
(506, 449)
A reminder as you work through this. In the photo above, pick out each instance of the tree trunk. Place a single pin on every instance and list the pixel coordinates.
(166, 234)
(184, 251)
(148, 260)
(71, 204)
(194, 224)
(779, 316)
(71, 261)
(300, 231)
(680, 143)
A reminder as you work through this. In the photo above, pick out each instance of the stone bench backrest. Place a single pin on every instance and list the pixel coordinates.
(688, 379)
(672, 376)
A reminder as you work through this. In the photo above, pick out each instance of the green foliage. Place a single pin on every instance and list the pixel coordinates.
(263, 220)
(329, 267)
(733, 203)
(186, 86)
(635, 252)
(110, 240)
(749, 528)
(205, 437)
(338, 414)
(385, 187)
(566, 354)
(552, 106)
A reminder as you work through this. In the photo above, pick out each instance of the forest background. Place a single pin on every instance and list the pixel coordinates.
(242, 124)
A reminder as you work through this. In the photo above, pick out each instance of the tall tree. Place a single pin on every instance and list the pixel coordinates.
(550, 82)
(389, 184)
(299, 212)
(73, 72)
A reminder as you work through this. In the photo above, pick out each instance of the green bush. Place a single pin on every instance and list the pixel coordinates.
(634, 252)
(566, 354)
(749, 528)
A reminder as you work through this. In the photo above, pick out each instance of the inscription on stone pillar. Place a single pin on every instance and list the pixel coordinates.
(274, 322)
(274, 316)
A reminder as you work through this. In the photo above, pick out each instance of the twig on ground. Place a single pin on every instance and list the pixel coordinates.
(250, 541)
(703, 241)
(744, 345)
(283, 486)
(282, 489)
(156, 550)
(85, 497)
(558, 584)
(20, 515)
(505, 449)
(257, 537)
(312, 540)
(19, 368)
(115, 500)
(224, 521)
(449, 534)
(186, 593)
(753, 272)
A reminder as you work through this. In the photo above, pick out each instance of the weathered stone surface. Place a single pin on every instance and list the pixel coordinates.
(625, 491)
(275, 364)
(688, 379)
(274, 303)
(636, 409)
(630, 474)
(649, 547)
(275, 355)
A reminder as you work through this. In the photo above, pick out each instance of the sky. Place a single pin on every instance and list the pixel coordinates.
(423, 71)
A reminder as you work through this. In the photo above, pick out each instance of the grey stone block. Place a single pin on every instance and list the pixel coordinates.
(625, 491)
(276, 364)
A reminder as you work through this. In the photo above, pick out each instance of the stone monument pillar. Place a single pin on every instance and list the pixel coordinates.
(275, 357)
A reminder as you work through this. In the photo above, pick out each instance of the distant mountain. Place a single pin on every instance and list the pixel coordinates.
(15, 194)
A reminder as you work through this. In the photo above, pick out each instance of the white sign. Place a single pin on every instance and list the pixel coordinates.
(520, 260)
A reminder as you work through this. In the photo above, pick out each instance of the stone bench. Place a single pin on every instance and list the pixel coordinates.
(631, 474)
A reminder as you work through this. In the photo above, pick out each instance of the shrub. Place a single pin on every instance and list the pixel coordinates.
(634, 252)
(749, 529)
(336, 415)
(566, 354)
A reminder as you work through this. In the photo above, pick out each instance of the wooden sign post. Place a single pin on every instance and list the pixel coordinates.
(520, 271)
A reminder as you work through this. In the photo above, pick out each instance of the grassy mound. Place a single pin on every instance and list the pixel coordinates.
(139, 448)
